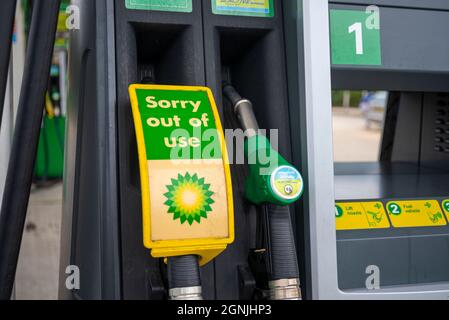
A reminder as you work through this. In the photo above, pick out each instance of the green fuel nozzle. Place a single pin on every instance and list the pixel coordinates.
(272, 179)
(273, 184)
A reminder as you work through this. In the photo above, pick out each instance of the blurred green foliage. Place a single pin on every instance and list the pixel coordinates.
(337, 98)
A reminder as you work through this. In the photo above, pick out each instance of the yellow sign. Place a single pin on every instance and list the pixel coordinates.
(187, 202)
(360, 216)
(417, 213)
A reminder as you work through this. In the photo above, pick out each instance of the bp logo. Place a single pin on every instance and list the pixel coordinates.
(189, 198)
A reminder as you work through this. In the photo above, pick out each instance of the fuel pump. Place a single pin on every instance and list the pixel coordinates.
(131, 190)
(273, 185)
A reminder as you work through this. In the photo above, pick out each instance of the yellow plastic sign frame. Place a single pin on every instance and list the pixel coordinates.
(206, 249)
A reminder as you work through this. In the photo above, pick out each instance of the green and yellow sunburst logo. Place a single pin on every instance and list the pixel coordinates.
(189, 198)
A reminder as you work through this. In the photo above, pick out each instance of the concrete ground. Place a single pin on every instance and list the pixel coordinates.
(353, 141)
(38, 268)
(37, 273)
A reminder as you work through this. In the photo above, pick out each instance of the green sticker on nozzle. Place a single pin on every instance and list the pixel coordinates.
(287, 183)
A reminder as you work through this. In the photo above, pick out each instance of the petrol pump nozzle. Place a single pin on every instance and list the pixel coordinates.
(273, 183)
(272, 179)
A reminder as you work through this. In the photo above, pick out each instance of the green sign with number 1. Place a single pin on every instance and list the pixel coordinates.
(355, 40)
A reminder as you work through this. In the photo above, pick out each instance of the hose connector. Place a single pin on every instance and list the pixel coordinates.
(186, 294)
(285, 289)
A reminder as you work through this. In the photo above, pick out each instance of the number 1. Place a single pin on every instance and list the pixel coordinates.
(357, 28)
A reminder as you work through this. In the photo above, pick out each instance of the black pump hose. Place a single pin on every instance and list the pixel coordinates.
(282, 249)
(231, 94)
(183, 272)
(184, 278)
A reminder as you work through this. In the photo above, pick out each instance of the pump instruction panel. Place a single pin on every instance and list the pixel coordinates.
(401, 214)
(185, 176)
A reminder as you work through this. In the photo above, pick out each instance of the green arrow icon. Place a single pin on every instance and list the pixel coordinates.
(377, 216)
(435, 217)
